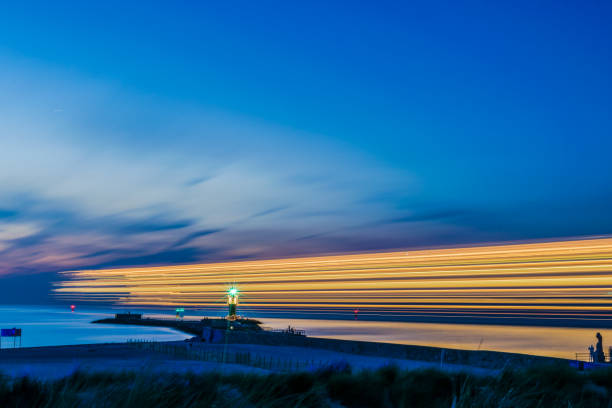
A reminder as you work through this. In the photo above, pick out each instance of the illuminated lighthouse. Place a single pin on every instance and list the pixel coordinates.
(232, 302)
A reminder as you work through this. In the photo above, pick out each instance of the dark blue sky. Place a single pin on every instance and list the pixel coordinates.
(179, 132)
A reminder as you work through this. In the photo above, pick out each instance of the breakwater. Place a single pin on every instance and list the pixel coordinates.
(475, 358)
(193, 327)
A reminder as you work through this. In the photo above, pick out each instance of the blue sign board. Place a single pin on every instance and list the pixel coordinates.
(10, 332)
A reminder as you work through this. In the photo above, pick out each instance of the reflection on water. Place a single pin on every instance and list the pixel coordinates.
(545, 341)
(49, 326)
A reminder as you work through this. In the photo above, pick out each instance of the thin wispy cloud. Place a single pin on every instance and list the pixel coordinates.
(71, 197)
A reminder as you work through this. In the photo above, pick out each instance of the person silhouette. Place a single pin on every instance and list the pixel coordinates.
(599, 353)
(592, 353)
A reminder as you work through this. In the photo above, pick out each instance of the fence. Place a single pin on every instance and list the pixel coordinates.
(221, 356)
(291, 331)
(588, 357)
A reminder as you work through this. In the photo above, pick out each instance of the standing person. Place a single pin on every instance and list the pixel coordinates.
(599, 353)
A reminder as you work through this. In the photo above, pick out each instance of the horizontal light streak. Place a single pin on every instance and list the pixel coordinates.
(510, 271)
(543, 278)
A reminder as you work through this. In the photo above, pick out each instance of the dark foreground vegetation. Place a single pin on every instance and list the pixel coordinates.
(545, 386)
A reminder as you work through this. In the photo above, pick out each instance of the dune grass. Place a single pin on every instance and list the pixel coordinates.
(543, 386)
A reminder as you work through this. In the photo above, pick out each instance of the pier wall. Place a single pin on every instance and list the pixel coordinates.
(476, 358)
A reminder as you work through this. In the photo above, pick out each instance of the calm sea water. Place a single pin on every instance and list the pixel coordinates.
(51, 326)
(46, 326)
(545, 341)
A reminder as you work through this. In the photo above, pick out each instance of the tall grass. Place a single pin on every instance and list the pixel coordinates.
(543, 386)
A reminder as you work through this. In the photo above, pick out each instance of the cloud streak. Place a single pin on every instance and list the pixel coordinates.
(89, 185)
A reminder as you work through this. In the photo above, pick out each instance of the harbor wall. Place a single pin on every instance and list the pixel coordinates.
(476, 358)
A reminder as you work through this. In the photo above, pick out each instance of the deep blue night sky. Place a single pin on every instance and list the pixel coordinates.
(177, 132)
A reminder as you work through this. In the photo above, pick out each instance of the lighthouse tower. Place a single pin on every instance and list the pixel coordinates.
(232, 302)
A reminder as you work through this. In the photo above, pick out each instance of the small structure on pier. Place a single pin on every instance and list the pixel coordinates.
(128, 316)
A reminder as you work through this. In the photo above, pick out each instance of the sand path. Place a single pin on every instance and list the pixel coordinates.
(57, 362)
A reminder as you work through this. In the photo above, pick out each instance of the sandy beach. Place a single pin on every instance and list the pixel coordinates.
(57, 362)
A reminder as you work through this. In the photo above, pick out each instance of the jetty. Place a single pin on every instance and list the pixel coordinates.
(192, 327)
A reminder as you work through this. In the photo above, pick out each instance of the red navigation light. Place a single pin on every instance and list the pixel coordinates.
(72, 307)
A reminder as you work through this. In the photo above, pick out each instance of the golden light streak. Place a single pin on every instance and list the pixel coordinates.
(563, 278)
